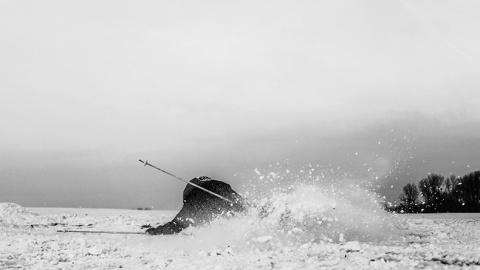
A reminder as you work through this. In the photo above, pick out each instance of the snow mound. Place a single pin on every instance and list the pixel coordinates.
(11, 213)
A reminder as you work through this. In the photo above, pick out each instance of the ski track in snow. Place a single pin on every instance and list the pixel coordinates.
(426, 242)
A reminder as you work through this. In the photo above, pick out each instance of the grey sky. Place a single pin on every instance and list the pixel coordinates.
(222, 87)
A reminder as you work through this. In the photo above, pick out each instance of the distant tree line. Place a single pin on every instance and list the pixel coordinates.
(143, 208)
(436, 193)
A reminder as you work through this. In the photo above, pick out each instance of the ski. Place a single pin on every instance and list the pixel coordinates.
(99, 232)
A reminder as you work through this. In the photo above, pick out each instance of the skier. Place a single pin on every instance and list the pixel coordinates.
(200, 207)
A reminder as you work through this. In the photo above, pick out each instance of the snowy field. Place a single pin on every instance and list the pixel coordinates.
(30, 239)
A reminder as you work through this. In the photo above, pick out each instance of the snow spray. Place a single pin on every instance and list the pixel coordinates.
(291, 210)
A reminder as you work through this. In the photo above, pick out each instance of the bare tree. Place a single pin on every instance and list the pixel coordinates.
(409, 197)
(431, 190)
(469, 189)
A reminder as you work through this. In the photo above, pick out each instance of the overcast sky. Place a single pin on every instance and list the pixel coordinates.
(381, 89)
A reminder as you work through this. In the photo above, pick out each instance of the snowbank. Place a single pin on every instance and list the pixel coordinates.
(14, 214)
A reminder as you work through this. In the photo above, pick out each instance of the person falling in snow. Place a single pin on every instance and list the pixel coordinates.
(201, 207)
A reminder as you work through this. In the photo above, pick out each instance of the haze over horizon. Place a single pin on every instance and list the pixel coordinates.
(387, 91)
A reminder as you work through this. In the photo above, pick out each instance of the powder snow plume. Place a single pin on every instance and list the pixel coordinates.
(289, 212)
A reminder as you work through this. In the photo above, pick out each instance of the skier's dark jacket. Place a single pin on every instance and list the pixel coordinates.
(200, 207)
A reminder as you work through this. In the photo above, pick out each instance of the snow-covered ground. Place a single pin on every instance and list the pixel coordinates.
(310, 235)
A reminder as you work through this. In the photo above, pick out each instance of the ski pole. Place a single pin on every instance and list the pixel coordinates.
(188, 183)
